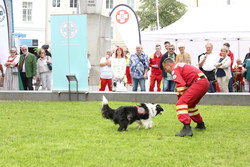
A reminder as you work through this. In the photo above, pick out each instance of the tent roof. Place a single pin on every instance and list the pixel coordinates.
(206, 23)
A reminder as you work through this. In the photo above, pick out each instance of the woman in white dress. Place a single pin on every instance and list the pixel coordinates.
(118, 65)
(43, 72)
(11, 74)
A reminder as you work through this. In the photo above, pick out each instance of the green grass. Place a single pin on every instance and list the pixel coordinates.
(75, 134)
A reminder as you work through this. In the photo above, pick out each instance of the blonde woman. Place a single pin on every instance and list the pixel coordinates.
(11, 74)
(223, 70)
(43, 72)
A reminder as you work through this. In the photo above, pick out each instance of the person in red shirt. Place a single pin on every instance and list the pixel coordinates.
(191, 85)
(154, 63)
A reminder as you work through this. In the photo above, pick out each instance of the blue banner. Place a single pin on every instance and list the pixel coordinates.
(69, 50)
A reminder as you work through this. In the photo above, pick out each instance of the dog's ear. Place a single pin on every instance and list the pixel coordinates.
(159, 108)
(143, 105)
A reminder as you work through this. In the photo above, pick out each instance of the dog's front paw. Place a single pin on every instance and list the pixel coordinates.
(139, 126)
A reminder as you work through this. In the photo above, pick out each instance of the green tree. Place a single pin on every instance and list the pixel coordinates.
(169, 12)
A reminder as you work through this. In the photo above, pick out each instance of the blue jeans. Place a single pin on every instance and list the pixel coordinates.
(168, 85)
(135, 84)
(230, 83)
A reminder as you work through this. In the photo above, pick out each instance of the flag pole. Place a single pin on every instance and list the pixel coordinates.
(157, 14)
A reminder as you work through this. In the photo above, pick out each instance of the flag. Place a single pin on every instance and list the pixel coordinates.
(4, 33)
(127, 24)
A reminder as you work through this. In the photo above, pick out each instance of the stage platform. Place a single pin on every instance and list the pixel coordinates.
(234, 99)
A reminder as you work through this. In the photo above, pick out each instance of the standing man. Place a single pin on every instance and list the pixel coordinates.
(206, 63)
(183, 57)
(186, 75)
(156, 72)
(168, 83)
(27, 68)
(106, 72)
(231, 55)
(139, 66)
(166, 44)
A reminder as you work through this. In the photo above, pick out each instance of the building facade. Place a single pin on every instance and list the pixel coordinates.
(29, 23)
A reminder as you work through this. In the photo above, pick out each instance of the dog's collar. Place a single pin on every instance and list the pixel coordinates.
(140, 110)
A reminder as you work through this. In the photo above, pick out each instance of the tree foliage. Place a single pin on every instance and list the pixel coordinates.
(169, 12)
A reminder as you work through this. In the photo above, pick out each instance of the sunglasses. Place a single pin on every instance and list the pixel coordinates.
(170, 48)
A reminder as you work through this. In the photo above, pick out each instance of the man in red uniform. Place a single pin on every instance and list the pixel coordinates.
(154, 63)
(184, 76)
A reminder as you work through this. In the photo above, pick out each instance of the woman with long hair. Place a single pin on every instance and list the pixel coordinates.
(118, 65)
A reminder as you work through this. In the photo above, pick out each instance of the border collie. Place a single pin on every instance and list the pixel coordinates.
(126, 115)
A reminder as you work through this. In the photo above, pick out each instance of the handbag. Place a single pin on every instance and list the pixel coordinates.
(14, 70)
(49, 64)
(244, 74)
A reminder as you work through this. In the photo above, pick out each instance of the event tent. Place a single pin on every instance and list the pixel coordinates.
(201, 25)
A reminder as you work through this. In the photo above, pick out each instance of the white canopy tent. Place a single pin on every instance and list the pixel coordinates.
(201, 25)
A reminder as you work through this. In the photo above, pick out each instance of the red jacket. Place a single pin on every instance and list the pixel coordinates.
(185, 75)
(231, 55)
(153, 60)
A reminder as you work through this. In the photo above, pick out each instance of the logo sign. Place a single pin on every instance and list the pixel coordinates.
(68, 29)
(2, 13)
(122, 16)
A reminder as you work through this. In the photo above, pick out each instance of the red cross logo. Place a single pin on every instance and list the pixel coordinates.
(122, 16)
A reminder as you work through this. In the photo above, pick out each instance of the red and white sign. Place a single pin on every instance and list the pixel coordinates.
(126, 23)
(122, 16)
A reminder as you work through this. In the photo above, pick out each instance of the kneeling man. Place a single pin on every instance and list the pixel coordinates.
(191, 85)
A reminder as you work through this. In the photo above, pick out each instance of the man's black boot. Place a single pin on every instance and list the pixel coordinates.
(200, 126)
(186, 131)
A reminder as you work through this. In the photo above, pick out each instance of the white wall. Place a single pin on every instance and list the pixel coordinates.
(34, 29)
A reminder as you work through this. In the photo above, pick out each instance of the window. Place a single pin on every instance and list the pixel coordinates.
(109, 4)
(131, 3)
(73, 3)
(56, 3)
(27, 11)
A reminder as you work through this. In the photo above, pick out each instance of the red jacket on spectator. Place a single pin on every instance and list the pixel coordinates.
(153, 60)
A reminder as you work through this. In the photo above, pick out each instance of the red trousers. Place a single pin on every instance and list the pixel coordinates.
(154, 78)
(128, 75)
(186, 105)
(103, 83)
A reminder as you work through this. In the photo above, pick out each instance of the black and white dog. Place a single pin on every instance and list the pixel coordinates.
(126, 115)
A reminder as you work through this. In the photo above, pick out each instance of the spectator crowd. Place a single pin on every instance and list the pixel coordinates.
(121, 69)
(27, 71)
(217, 67)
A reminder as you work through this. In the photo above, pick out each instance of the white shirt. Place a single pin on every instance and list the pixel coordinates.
(106, 71)
(118, 66)
(208, 65)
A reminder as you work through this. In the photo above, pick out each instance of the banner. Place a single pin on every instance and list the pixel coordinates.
(69, 50)
(4, 33)
(127, 24)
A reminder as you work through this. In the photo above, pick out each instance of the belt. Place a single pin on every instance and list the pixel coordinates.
(203, 76)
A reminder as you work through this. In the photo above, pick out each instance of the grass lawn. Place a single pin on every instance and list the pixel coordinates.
(75, 134)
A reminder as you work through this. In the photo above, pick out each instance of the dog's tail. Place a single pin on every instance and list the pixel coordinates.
(107, 112)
